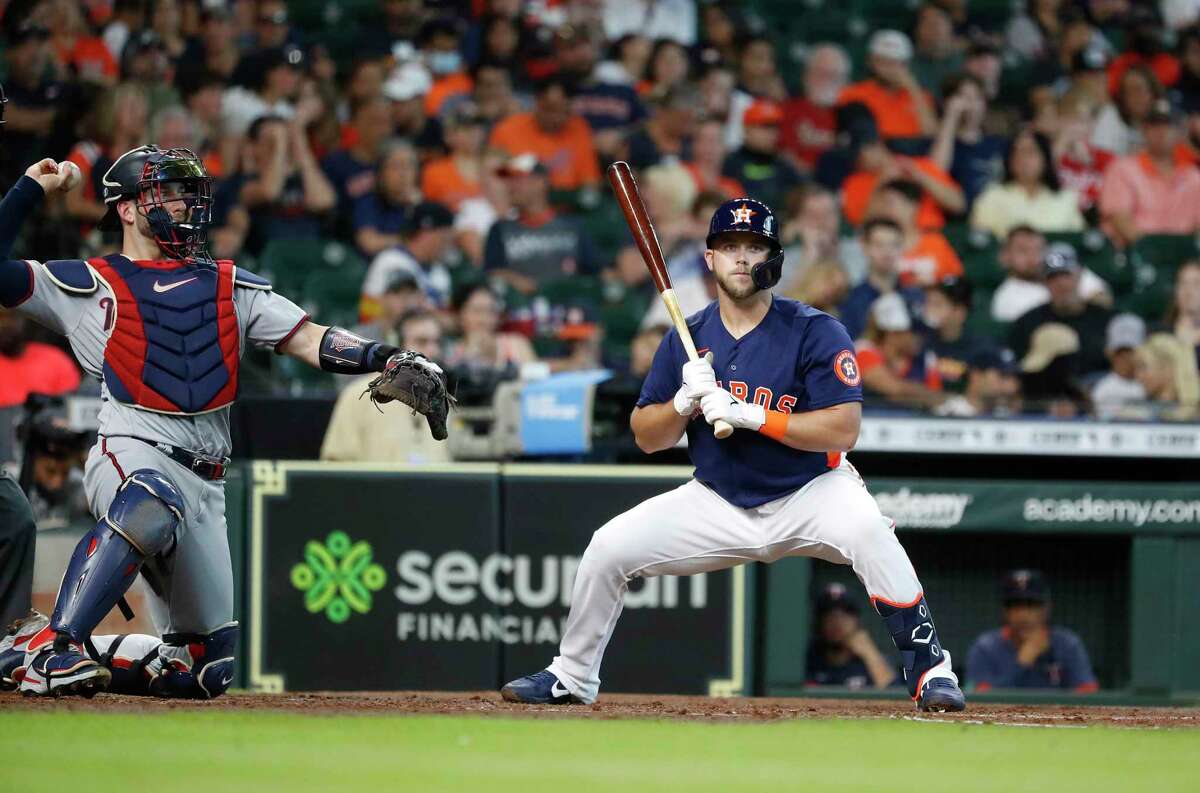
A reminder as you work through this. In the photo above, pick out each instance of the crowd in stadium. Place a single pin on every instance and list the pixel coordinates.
(1001, 205)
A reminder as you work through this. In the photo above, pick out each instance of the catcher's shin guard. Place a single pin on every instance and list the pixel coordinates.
(921, 652)
(140, 522)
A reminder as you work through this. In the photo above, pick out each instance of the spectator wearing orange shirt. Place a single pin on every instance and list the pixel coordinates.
(440, 48)
(876, 164)
(1156, 191)
(30, 367)
(1144, 45)
(560, 139)
(452, 179)
(76, 49)
(896, 369)
(928, 257)
(708, 155)
(900, 107)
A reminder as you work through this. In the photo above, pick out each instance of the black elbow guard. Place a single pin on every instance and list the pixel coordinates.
(343, 352)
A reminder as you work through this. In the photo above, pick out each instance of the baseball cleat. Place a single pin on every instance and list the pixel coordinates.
(540, 688)
(56, 673)
(941, 695)
(13, 646)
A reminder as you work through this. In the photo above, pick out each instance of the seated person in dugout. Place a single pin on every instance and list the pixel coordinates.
(1028, 652)
(840, 653)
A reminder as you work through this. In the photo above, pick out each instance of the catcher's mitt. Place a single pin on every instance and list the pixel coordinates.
(418, 382)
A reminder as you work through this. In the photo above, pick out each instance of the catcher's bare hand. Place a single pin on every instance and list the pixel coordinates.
(52, 176)
(418, 382)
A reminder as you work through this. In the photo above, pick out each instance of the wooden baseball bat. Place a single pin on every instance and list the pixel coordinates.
(621, 178)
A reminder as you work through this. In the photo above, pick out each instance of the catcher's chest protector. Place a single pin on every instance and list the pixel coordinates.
(174, 346)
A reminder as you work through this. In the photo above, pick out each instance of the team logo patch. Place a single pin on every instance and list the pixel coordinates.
(846, 368)
(743, 214)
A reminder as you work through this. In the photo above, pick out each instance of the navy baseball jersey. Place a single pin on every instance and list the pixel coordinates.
(796, 359)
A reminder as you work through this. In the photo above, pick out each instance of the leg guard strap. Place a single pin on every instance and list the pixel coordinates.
(197, 666)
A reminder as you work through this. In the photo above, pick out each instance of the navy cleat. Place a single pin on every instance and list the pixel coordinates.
(13, 646)
(64, 669)
(540, 688)
(941, 695)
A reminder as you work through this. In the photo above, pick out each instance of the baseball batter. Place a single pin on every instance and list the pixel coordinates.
(784, 375)
(163, 327)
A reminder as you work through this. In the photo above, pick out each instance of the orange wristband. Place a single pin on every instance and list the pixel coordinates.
(775, 426)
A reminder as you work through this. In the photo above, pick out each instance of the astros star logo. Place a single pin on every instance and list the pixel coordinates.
(743, 214)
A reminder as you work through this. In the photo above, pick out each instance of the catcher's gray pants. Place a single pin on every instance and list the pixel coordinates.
(192, 584)
(18, 536)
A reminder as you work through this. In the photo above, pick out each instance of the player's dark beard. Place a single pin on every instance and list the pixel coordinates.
(733, 290)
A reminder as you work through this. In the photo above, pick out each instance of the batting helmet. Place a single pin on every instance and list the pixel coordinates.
(154, 178)
(755, 217)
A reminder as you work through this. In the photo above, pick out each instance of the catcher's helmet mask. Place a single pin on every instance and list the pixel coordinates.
(754, 217)
(171, 189)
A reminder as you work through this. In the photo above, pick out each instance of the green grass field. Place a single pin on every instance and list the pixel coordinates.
(233, 751)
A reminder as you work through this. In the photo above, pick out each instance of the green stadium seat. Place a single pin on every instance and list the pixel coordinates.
(332, 295)
(289, 263)
(980, 254)
(1154, 261)
(980, 322)
(606, 226)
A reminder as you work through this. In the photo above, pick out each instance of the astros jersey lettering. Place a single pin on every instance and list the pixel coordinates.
(796, 359)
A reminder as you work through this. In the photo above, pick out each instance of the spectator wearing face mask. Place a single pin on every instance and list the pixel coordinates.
(440, 44)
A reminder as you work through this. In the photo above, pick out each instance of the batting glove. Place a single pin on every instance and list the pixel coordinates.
(721, 405)
(698, 379)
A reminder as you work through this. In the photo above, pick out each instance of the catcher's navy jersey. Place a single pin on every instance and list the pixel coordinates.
(796, 359)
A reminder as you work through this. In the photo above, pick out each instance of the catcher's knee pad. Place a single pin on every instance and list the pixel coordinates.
(140, 522)
(146, 511)
(195, 666)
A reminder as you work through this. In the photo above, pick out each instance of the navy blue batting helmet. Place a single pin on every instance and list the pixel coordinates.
(755, 217)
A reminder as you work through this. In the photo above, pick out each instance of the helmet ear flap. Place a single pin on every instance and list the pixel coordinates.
(767, 273)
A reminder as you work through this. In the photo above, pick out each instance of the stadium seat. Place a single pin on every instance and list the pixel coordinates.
(331, 295)
(1155, 260)
(980, 322)
(979, 252)
(289, 263)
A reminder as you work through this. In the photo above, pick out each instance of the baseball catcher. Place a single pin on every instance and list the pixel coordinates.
(163, 327)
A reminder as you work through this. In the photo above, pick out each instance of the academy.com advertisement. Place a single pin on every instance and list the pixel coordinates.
(467, 585)
(1098, 509)
(992, 506)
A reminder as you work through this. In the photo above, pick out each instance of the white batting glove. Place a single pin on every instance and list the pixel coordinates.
(698, 379)
(721, 405)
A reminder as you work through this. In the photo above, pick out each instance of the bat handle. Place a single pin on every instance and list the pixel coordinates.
(721, 429)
